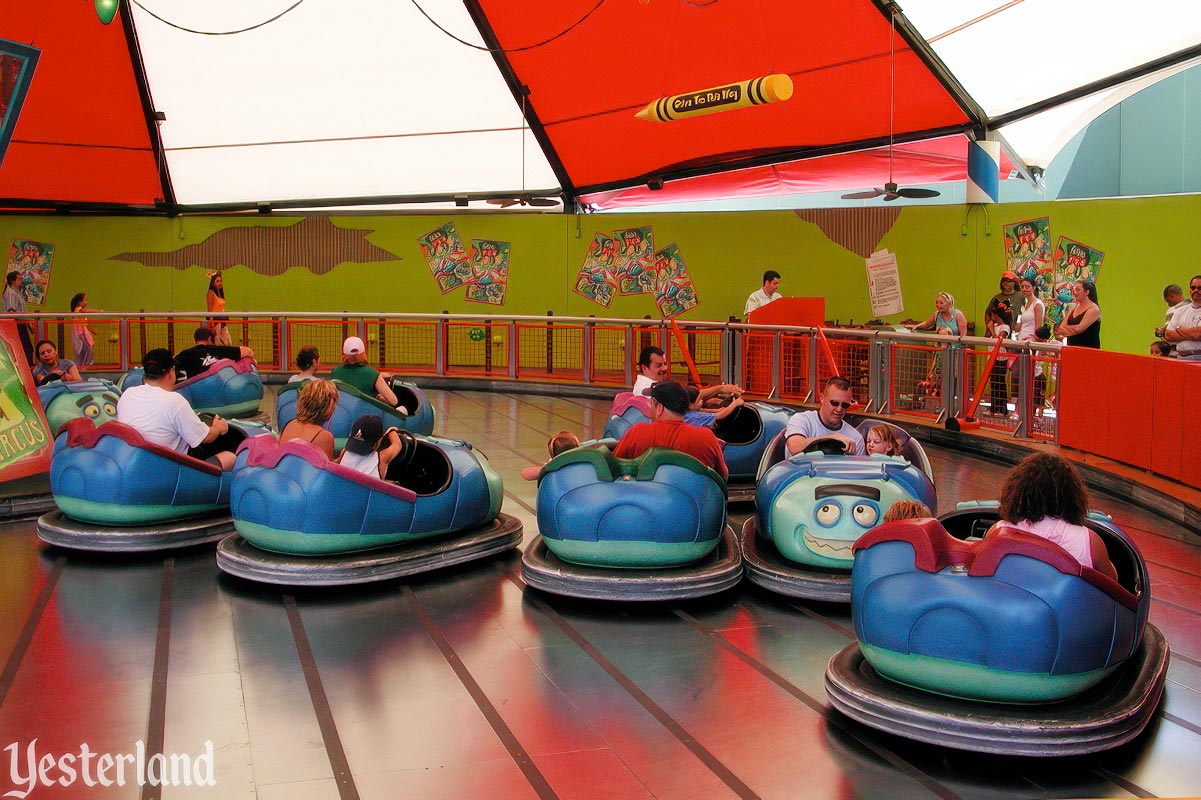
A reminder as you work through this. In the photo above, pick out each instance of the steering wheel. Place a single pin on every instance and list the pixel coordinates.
(408, 449)
(831, 447)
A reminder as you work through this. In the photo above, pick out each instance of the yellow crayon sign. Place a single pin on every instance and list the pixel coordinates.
(753, 92)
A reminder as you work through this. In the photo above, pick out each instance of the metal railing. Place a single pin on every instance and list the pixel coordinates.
(923, 376)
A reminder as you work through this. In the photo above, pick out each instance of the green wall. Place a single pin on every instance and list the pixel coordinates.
(1147, 242)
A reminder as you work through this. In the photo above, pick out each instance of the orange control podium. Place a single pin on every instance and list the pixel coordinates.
(757, 347)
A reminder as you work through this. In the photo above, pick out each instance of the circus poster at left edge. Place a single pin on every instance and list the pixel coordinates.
(17, 62)
(33, 261)
(25, 441)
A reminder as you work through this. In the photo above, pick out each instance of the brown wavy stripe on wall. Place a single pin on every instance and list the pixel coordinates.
(859, 230)
(314, 243)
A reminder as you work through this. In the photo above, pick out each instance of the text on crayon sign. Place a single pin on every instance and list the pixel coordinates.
(705, 99)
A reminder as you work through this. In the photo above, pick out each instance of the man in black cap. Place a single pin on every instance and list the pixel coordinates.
(669, 403)
(164, 417)
(204, 354)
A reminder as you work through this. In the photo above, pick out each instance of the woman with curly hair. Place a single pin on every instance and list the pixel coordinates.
(1044, 495)
(314, 406)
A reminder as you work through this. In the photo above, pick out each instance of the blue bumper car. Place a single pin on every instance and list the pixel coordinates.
(116, 491)
(93, 399)
(747, 434)
(228, 388)
(646, 528)
(813, 506)
(1001, 644)
(305, 520)
(353, 404)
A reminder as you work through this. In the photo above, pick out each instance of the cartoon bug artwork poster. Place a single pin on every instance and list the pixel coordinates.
(674, 291)
(1073, 262)
(596, 279)
(490, 266)
(1028, 253)
(447, 259)
(33, 260)
(635, 265)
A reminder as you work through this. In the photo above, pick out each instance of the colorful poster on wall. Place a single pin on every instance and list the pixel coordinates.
(1074, 261)
(596, 279)
(490, 268)
(674, 290)
(25, 442)
(1028, 252)
(447, 258)
(635, 264)
(33, 261)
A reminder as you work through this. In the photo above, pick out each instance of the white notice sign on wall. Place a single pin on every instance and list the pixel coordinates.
(884, 284)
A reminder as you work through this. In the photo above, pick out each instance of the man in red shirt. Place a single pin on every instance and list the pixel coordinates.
(669, 402)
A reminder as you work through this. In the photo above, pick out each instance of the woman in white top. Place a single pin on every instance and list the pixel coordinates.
(1031, 318)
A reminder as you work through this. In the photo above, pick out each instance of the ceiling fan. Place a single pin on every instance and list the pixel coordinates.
(524, 198)
(891, 191)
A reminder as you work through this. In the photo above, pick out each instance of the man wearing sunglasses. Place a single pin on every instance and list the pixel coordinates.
(827, 422)
(1185, 328)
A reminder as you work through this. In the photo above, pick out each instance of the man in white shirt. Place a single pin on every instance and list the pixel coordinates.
(164, 417)
(827, 422)
(1184, 330)
(652, 368)
(769, 293)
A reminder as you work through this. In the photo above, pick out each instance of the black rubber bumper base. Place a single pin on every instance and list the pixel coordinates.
(33, 505)
(740, 491)
(58, 529)
(1111, 713)
(236, 556)
(765, 567)
(720, 570)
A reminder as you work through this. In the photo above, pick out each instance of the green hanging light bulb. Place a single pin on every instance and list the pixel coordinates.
(106, 10)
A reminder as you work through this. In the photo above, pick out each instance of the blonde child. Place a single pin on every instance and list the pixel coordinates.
(561, 442)
(882, 440)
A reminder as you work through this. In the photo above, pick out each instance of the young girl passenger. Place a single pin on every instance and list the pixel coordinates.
(561, 442)
(881, 440)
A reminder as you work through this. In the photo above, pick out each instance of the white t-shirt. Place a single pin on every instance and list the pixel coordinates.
(642, 385)
(810, 425)
(161, 417)
(366, 464)
(298, 378)
(758, 299)
(1187, 317)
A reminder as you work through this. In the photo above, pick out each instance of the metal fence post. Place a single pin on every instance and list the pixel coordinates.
(440, 345)
(512, 349)
(811, 394)
(952, 379)
(879, 369)
(1025, 406)
(586, 353)
(629, 359)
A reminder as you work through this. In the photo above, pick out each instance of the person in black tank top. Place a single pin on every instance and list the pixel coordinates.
(1082, 327)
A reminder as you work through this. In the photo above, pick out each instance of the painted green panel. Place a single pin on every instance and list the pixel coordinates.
(957, 248)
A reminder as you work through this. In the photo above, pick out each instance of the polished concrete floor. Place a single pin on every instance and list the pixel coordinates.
(462, 685)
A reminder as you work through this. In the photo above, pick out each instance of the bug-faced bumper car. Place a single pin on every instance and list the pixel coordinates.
(353, 404)
(92, 399)
(811, 508)
(1004, 644)
(305, 520)
(117, 492)
(229, 388)
(646, 528)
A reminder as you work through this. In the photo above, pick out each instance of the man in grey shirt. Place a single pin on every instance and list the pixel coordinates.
(14, 303)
